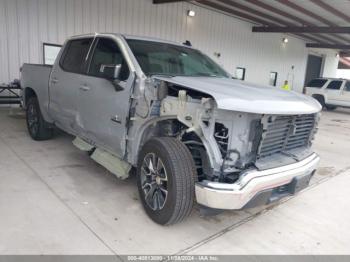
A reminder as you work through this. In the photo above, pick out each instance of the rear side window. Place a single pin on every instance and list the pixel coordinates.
(317, 83)
(75, 54)
(335, 85)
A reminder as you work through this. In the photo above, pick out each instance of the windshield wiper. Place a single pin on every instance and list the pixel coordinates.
(174, 75)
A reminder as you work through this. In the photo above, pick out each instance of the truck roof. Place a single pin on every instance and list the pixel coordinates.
(331, 78)
(144, 38)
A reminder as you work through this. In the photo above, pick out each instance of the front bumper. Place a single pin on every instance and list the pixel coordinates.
(257, 187)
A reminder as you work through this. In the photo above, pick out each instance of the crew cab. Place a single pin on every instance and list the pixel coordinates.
(166, 110)
(330, 92)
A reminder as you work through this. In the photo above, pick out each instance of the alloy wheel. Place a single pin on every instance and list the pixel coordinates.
(154, 181)
(33, 119)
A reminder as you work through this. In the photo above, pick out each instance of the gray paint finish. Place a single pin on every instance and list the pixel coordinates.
(87, 105)
(237, 95)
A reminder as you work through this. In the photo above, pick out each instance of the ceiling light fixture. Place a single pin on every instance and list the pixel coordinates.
(191, 13)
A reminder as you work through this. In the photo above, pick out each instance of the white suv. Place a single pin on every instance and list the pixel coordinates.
(330, 92)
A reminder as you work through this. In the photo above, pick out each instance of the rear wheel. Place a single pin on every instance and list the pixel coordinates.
(37, 127)
(165, 178)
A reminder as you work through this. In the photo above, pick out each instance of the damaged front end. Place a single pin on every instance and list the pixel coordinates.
(264, 158)
(225, 141)
(242, 159)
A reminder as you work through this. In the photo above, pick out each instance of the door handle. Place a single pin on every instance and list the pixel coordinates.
(116, 119)
(54, 80)
(84, 87)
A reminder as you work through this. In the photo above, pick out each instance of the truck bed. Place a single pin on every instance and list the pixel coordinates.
(36, 77)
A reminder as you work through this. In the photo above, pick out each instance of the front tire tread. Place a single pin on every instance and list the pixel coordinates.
(183, 172)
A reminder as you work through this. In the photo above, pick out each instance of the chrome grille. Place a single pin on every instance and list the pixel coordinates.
(285, 133)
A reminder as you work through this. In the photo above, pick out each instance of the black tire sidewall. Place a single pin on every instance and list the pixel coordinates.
(42, 132)
(330, 107)
(165, 214)
(33, 102)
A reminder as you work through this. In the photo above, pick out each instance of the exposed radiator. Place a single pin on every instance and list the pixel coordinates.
(285, 133)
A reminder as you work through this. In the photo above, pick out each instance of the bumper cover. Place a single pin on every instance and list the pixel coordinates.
(257, 187)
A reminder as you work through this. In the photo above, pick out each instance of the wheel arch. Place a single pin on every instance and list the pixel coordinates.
(38, 128)
(321, 98)
(28, 93)
(150, 129)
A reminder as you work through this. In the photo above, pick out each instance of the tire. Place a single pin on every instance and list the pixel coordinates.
(330, 107)
(320, 99)
(175, 173)
(37, 127)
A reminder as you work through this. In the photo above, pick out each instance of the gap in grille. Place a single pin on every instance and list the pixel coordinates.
(286, 133)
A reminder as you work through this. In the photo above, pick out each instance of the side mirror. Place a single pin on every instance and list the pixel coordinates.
(110, 72)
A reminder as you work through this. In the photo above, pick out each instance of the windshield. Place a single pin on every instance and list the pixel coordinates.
(166, 59)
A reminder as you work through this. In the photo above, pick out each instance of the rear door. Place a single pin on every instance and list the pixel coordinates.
(103, 108)
(333, 92)
(65, 83)
(345, 95)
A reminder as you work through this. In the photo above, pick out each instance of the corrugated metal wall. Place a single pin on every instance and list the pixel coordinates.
(26, 24)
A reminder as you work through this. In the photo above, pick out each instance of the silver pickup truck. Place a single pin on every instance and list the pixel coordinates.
(166, 110)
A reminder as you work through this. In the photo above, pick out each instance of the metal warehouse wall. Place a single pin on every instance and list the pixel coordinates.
(26, 24)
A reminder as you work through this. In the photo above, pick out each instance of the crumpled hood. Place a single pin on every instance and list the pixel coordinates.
(236, 95)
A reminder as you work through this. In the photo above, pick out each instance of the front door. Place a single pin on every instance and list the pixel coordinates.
(65, 83)
(102, 107)
(333, 92)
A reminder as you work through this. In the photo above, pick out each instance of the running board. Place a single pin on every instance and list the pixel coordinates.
(82, 145)
(112, 163)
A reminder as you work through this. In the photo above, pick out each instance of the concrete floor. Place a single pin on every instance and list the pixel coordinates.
(55, 200)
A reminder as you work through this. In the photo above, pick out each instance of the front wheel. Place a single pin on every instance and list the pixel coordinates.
(165, 178)
(37, 127)
(331, 107)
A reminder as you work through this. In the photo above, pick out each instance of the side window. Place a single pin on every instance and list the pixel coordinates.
(334, 85)
(347, 86)
(75, 54)
(50, 52)
(107, 52)
(316, 83)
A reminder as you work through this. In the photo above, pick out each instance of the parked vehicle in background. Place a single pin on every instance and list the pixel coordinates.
(166, 109)
(330, 92)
